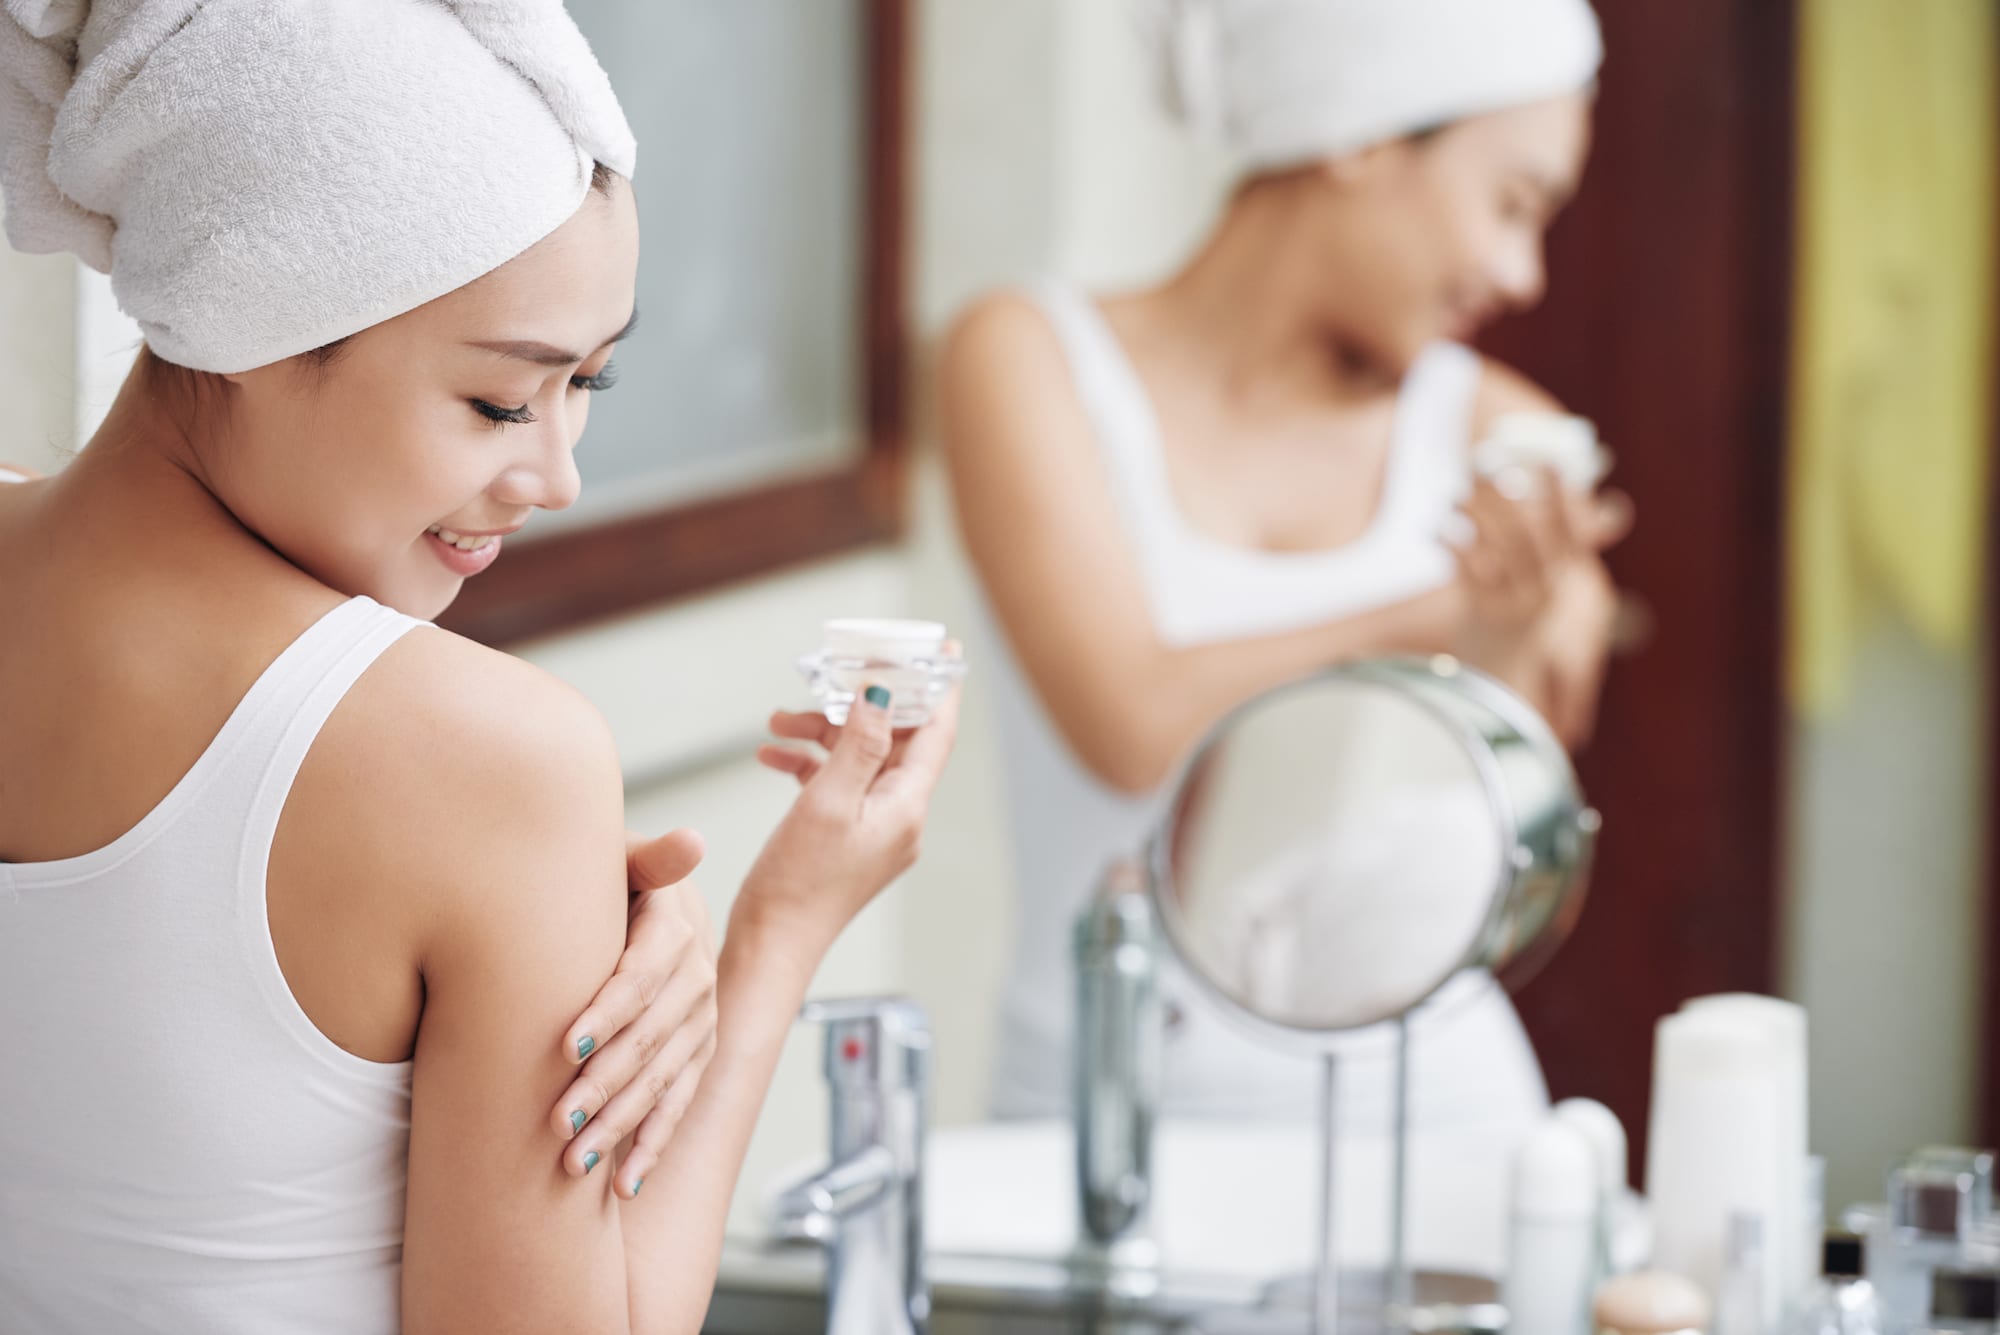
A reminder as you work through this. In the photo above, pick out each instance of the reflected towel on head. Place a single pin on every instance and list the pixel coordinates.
(263, 177)
(1282, 82)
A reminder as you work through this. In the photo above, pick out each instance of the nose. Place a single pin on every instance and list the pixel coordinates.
(1520, 276)
(543, 474)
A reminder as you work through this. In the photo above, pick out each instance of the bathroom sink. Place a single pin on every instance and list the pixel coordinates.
(776, 1290)
(1233, 1222)
(1230, 1198)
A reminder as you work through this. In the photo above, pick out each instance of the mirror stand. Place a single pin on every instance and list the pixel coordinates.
(1401, 1291)
(1399, 1287)
(1326, 1256)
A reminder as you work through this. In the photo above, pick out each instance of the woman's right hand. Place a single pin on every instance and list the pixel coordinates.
(1525, 548)
(857, 824)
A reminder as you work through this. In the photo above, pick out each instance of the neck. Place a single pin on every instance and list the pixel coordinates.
(142, 464)
(1250, 299)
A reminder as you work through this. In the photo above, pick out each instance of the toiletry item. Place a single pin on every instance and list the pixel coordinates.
(1812, 1218)
(1722, 1124)
(1791, 1253)
(1964, 1302)
(1551, 1235)
(1531, 442)
(907, 658)
(1739, 1306)
(1606, 1134)
(1842, 1302)
(1961, 1158)
(1650, 1302)
(1933, 1221)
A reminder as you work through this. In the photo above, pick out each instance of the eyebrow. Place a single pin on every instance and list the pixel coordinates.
(546, 354)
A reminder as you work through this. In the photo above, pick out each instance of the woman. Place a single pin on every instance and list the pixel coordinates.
(1181, 497)
(299, 895)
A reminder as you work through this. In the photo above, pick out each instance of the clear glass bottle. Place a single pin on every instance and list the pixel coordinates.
(1843, 1302)
(1739, 1304)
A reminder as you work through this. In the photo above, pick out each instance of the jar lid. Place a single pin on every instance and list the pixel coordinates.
(1650, 1302)
(1842, 1255)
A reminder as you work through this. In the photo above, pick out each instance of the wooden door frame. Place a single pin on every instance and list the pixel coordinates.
(1667, 321)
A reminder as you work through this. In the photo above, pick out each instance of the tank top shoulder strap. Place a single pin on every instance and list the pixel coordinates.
(1121, 413)
(293, 700)
(301, 690)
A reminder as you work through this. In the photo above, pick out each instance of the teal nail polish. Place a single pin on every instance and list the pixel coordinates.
(637, 1183)
(585, 1046)
(577, 1119)
(591, 1160)
(877, 696)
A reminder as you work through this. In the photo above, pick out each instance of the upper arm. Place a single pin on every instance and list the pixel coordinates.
(504, 791)
(1039, 517)
(1504, 390)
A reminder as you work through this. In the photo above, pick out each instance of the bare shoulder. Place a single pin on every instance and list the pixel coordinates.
(489, 706)
(1000, 350)
(1504, 390)
(450, 765)
(999, 325)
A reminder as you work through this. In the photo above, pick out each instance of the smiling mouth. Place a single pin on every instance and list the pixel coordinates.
(473, 542)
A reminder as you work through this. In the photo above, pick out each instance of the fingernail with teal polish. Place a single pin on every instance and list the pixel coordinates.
(577, 1119)
(877, 696)
(591, 1160)
(637, 1183)
(585, 1046)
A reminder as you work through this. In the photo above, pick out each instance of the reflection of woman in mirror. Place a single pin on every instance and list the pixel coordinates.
(1180, 497)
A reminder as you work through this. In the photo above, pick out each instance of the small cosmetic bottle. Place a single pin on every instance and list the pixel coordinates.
(1843, 1302)
(1552, 1239)
(1739, 1306)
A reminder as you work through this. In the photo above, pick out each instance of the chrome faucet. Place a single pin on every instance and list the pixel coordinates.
(866, 1209)
(1119, 1036)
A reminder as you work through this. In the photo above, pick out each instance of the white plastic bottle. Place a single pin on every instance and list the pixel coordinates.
(1552, 1233)
(1842, 1303)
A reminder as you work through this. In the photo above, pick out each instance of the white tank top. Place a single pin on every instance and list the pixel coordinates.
(1471, 1062)
(180, 1148)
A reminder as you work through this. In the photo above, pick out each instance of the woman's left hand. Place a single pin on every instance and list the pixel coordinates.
(645, 1040)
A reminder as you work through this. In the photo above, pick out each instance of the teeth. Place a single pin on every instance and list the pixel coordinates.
(461, 541)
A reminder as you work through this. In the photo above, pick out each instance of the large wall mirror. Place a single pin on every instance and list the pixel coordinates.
(758, 418)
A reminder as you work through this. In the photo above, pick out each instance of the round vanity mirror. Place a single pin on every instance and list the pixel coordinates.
(1341, 849)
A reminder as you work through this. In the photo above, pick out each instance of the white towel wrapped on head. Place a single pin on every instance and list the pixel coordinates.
(1282, 82)
(262, 177)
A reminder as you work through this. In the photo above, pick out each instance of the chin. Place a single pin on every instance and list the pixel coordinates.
(426, 599)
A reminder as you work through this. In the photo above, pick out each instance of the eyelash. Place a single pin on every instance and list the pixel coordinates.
(500, 417)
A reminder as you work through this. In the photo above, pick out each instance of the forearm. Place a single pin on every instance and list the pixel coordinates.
(673, 1230)
(1133, 725)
